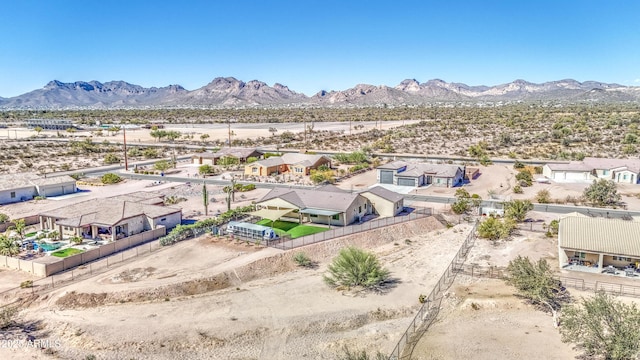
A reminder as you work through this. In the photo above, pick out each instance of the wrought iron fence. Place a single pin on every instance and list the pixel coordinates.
(431, 304)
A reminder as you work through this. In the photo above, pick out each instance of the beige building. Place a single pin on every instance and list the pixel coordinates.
(290, 163)
(25, 186)
(598, 242)
(112, 218)
(384, 202)
(241, 154)
(589, 169)
(335, 207)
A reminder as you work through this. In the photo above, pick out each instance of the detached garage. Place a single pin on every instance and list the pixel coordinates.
(569, 172)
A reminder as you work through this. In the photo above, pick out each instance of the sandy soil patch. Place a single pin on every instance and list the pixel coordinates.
(482, 319)
(287, 314)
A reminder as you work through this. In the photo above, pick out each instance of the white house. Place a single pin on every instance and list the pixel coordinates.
(618, 170)
(418, 174)
(26, 186)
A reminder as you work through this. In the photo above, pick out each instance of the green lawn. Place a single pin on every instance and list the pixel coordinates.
(292, 229)
(66, 252)
(30, 234)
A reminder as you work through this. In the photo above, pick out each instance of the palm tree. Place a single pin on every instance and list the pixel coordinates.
(517, 209)
(18, 226)
(8, 246)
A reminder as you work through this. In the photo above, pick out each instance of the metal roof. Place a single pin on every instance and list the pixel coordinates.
(609, 236)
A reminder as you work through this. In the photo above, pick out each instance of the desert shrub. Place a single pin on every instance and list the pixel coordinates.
(518, 165)
(111, 158)
(348, 354)
(602, 193)
(302, 260)
(356, 267)
(248, 187)
(543, 197)
(4, 218)
(517, 209)
(7, 316)
(110, 178)
(26, 284)
(524, 178)
(517, 189)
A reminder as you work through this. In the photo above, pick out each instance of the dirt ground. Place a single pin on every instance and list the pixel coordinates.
(482, 319)
(269, 309)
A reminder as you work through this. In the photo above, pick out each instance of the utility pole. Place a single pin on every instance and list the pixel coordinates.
(229, 123)
(124, 137)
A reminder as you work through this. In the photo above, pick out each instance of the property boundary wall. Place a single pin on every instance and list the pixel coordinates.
(288, 244)
(43, 270)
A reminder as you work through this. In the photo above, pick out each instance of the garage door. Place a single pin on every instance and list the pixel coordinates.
(576, 176)
(386, 177)
(406, 181)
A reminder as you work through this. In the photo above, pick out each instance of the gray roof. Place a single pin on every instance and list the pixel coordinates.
(416, 169)
(570, 166)
(610, 164)
(384, 193)
(238, 152)
(325, 200)
(25, 180)
(609, 236)
(291, 159)
(108, 211)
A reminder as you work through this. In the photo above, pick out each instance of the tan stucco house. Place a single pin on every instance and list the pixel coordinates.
(384, 202)
(242, 154)
(112, 218)
(419, 174)
(589, 169)
(291, 163)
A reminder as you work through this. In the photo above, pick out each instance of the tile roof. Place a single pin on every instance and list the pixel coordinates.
(237, 152)
(107, 211)
(316, 199)
(610, 236)
(291, 159)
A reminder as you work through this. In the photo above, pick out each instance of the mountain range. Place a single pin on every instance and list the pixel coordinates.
(231, 92)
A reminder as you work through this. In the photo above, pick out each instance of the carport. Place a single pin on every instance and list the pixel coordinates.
(320, 212)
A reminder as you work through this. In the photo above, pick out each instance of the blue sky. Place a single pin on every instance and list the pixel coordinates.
(313, 45)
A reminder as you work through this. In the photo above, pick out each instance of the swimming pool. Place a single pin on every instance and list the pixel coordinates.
(47, 246)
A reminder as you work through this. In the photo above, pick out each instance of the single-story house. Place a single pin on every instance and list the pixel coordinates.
(26, 186)
(293, 163)
(418, 174)
(316, 206)
(589, 169)
(242, 154)
(384, 202)
(598, 242)
(114, 218)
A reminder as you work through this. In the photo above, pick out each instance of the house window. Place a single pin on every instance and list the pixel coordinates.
(163, 219)
(580, 255)
(254, 170)
(605, 172)
(624, 177)
(365, 206)
(621, 258)
(13, 194)
(313, 215)
(397, 205)
(359, 209)
(336, 217)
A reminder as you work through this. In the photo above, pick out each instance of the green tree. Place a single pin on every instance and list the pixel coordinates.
(356, 267)
(204, 137)
(172, 135)
(536, 282)
(110, 178)
(496, 229)
(228, 161)
(206, 169)
(603, 326)
(37, 129)
(602, 193)
(8, 246)
(162, 165)
(518, 209)
(3, 218)
(150, 153)
(464, 201)
(18, 226)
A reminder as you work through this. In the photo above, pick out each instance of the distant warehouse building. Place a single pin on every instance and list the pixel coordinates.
(50, 124)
